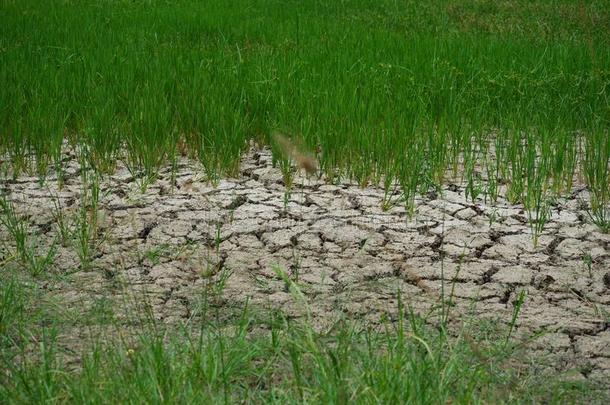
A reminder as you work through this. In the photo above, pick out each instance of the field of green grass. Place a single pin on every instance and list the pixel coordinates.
(387, 91)
(508, 96)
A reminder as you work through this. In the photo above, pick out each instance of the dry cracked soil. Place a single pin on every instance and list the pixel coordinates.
(166, 245)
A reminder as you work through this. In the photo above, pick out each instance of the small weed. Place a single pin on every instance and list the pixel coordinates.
(295, 268)
(25, 245)
(223, 276)
(493, 216)
(286, 197)
(517, 304)
(154, 254)
(218, 238)
(16, 228)
(588, 262)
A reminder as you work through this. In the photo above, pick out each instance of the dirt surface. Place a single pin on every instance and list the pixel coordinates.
(348, 255)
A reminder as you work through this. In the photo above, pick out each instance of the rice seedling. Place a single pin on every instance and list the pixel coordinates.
(61, 222)
(86, 226)
(536, 199)
(597, 173)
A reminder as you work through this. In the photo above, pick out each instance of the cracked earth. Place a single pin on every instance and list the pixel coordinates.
(348, 256)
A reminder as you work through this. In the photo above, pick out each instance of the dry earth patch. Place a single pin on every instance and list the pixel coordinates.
(166, 245)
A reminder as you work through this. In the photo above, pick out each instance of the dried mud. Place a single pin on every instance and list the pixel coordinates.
(168, 245)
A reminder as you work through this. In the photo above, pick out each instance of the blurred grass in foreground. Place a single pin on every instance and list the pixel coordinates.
(261, 356)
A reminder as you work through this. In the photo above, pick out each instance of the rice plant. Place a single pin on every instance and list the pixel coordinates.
(370, 85)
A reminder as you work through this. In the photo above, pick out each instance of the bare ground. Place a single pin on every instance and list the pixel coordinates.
(182, 235)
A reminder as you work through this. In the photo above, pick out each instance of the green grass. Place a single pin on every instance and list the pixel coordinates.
(261, 356)
(26, 249)
(389, 90)
(398, 93)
